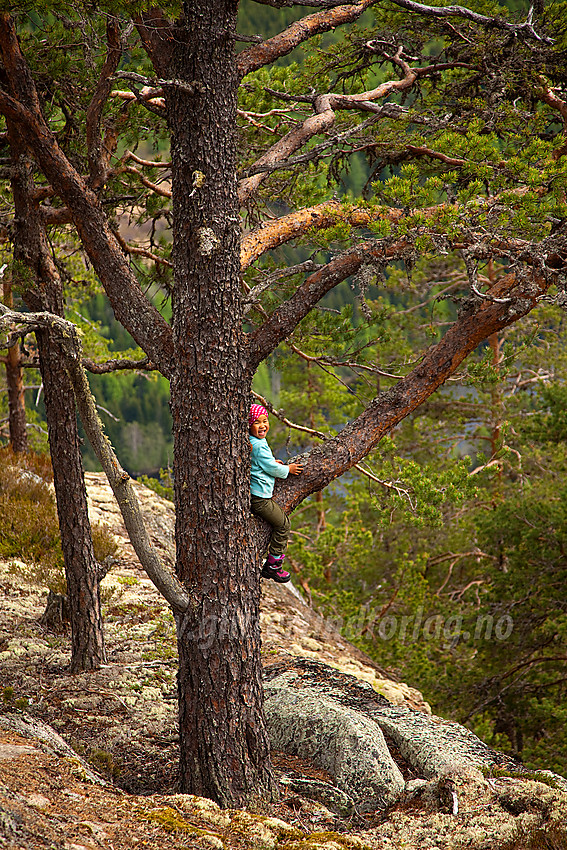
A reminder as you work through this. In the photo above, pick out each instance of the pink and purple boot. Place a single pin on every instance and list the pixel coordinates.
(273, 569)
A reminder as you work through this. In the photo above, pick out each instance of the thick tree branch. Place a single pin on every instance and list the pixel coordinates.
(116, 365)
(148, 96)
(119, 480)
(283, 43)
(158, 37)
(139, 316)
(477, 321)
(274, 233)
(335, 15)
(271, 234)
(320, 436)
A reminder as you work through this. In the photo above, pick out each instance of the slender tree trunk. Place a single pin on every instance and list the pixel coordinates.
(15, 384)
(43, 291)
(81, 569)
(224, 744)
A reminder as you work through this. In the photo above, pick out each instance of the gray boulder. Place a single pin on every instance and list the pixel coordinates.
(345, 727)
(344, 742)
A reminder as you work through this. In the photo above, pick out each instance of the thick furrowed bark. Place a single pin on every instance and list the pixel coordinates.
(42, 288)
(15, 386)
(16, 400)
(224, 744)
(81, 569)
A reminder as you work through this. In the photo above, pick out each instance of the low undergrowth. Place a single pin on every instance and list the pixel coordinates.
(542, 838)
(29, 527)
(29, 531)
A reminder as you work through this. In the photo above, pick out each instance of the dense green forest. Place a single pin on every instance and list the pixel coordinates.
(443, 555)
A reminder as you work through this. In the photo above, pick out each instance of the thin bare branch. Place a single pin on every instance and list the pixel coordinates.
(525, 30)
(190, 88)
(148, 163)
(153, 187)
(329, 146)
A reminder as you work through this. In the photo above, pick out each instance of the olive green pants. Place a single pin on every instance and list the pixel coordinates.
(270, 511)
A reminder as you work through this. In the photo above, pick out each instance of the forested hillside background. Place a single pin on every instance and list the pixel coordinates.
(445, 555)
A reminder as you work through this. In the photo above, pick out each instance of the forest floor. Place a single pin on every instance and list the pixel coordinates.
(122, 718)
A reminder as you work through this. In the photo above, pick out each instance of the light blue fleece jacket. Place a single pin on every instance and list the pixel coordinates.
(264, 469)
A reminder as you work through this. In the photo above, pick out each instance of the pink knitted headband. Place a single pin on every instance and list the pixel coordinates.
(255, 412)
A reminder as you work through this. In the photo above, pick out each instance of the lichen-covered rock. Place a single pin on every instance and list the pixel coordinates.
(49, 741)
(432, 746)
(490, 814)
(342, 741)
(207, 810)
(323, 792)
(258, 832)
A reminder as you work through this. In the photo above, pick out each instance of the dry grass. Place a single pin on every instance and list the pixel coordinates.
(29, 528)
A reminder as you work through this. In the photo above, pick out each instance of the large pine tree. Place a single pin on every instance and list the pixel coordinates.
(430, 93)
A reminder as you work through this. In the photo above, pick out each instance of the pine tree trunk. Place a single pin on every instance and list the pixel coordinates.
(16, 402)
(81, 569)
(15, 385)
(42, 291)
(224, 744)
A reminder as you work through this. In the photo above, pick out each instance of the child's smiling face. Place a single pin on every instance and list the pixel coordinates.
(260, 427)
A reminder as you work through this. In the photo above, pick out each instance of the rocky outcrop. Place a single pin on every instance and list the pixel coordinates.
(46, 739)
(342, 741)
(435, 784)
(352, 732)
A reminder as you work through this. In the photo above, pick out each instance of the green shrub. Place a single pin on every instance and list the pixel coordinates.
(104, 542)
(163, 485)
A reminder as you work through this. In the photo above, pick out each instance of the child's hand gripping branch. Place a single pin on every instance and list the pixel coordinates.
(263, 472)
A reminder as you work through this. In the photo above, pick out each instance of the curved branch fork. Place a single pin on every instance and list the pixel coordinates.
(323, 118)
